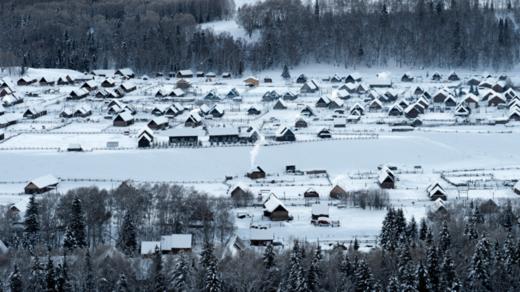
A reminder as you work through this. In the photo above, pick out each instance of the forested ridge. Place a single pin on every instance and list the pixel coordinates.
(163, 35)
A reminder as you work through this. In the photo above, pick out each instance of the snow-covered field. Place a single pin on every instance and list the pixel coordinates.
(479, 149)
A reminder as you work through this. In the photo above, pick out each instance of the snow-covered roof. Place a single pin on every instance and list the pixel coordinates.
(176, 241)
(160, 120)
(125, 116)
(223, 131)
(45, 181)
(183, 132)
(320, 209)
(272, 203)
(261, 234)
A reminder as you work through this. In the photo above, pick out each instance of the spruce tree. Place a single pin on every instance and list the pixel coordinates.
(63, 281)
(444, 238)
(432, 267)
(296, 281)
(346, 272)
(37, 280)
(448, 279)
(411, 231)
(478, 274)
(15, 280)
(423, 231)
(315, 273)
(127, 241)
(285, 74)
(32, 222)
(212, 281)
(268, 257)
(75, 233)
(363, 278)
(421, 279)
(179, 280)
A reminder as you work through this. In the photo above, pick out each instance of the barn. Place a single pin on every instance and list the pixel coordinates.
(145, 138)
(407, 77)
(24, 81)
(41, 185)
(319, 210)
(256, 173)
(275, 210)
(123, 119)
(158, 123)
(109, 82)
(251, 81)
(386, 178)
(254, 110)
(280, 105)
(176, 243)
(309, 87)
(324, 133)
(285, 134)
(311, 193)
(337, 192)
(301, 123)
(261, 237)
(435, 191)
(223, 135)
(184, 74)
(34, 113)
(184, 136)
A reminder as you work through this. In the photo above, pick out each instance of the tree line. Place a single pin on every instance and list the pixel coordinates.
(474, 246)
(164, 35)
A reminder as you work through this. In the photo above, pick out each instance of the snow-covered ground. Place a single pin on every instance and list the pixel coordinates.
(468, 152)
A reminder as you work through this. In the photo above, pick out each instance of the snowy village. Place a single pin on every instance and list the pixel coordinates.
(219, 170)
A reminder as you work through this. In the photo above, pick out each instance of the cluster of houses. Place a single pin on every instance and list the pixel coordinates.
(189, 136)
(168, 244)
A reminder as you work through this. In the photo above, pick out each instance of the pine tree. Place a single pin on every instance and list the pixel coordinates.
(478, 274)
(448, 278)
(315, 273)
(393, 285)
(127, 241)
(363, 278)
(15, 280)
(179, 280)
(509, 253)
(158, 277)
(296, 281)
(32, 222)
(346, 272)
(444, 238)
(122, 284)
(90, 284)
(75, 233)
(356, 244)
(405, 270)
(432, 267)
(422, 279)
(411, 231)
(37, 280)
(207, 256)
(423, 231)
(268, 257)
(285, 74)
(50, 277)
(212, 281)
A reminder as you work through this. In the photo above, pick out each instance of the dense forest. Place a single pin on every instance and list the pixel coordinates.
(164, 35)
(456, 33)
(88, 240)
